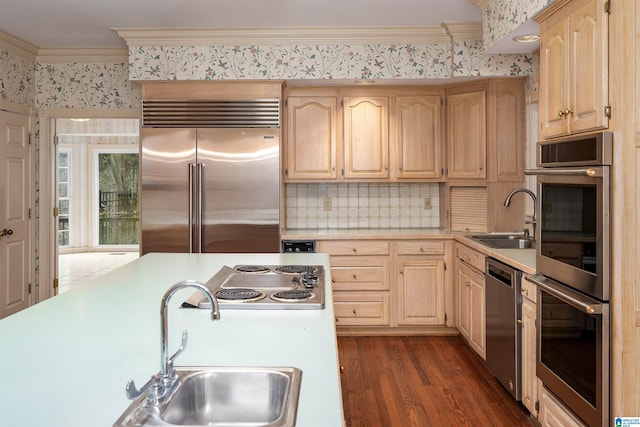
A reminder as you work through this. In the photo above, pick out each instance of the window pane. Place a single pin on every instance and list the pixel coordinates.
(118, 198)
(63, 175)
(63, 189)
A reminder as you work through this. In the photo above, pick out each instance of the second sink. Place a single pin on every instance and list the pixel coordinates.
(505, 241)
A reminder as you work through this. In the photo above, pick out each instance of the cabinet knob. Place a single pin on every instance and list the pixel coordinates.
(567, 112)
(342, 369)
(519, 322)
(560, 113)
(354, 250)
(467, 283)
(333, 280)
(480, 167)
(421, 249)
(354, 277)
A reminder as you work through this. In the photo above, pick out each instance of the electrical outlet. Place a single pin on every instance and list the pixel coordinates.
(427, 203)
(327, 204)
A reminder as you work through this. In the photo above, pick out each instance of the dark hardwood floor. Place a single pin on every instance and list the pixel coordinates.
(421, 381)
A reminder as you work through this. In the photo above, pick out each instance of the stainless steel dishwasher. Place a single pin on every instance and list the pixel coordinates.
(503, 331)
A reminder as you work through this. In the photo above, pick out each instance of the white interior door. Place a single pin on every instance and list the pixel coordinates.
(15, 197)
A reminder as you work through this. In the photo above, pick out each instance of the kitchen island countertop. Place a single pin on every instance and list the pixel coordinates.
(66, 361)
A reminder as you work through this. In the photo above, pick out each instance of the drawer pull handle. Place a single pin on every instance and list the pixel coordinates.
(354, 250)
(354, 313)
(354, 277)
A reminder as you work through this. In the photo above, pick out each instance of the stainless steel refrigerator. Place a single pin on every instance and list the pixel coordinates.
(210, 189)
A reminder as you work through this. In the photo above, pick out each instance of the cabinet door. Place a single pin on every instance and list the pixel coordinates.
(507, 134)
(553, 413)
(420, 291)
(419, 137)
(477, 316)
(467, 135)
(464, 302)
(366, 137)
(589, 62)
(554, 80)
(311, 138)
(529, 382)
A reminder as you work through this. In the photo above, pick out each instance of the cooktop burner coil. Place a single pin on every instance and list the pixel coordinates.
(252, 269)
(295, 269)
(292, 296)
(239, 294)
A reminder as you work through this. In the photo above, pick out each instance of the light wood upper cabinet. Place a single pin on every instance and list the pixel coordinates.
(419, 137)
(366, 137)
(506, 131)
(312, 137)
(573, 68)
(466, 135)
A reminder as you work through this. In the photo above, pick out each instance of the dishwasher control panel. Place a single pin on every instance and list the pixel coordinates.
(298, 246)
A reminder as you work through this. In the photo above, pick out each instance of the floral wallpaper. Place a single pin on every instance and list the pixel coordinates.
(85, 85)
(501, 17)
(16, 79)
(350, 62)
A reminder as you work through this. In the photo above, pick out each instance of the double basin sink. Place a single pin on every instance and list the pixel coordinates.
(223, 396)
(504, 240)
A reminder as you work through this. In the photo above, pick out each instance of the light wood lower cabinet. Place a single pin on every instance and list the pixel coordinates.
(528, 360)
(379, 283)
(553, 413)
(360, 281)
(471, 304)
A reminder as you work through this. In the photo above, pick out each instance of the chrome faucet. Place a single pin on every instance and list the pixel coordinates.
(507, 202)
(161, 385)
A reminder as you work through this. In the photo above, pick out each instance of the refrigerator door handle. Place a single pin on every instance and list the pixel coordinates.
(191, 207)
(199, 208)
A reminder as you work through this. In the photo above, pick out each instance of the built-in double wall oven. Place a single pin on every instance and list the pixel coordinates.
(573, 272)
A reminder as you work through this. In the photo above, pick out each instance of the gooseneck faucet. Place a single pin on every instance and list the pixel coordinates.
(507, 202)
(161, 385)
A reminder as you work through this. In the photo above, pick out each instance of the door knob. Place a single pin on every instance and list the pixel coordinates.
(6, 232)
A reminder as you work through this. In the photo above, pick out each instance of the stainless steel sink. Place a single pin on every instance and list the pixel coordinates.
(223, 396)
(505, 241)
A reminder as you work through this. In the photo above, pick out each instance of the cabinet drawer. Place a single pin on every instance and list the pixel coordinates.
(358, 278)
(353, 247)
(471, 257)
(361, 310)
(420, 247)
(528, 290)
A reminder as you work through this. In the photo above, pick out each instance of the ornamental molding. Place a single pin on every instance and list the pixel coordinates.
(461, 31)
(86, 55)
(249, 36)
(18, 46)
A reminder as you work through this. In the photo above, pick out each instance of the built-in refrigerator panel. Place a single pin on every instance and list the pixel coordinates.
(164, 197)
(240, 177)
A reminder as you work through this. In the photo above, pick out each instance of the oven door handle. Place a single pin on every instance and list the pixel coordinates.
(582, 303)
(591, 172)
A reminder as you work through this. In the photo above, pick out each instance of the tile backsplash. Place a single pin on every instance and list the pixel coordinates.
(362, 205)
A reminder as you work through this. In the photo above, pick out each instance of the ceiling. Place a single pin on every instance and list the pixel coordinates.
(71, 24)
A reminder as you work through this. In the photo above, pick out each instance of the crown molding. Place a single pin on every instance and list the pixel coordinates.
(144, 36)
(463, 31)
(18, 46)
(482, 4)
(72, 55)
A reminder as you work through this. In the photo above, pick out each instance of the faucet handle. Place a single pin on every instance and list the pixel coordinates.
(183, 345)
(133, 392)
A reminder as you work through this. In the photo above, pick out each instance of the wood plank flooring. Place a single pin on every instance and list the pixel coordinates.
(420, 382)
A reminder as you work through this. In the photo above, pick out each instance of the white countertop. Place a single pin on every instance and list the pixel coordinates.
(66, 361)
